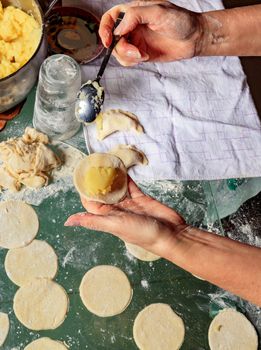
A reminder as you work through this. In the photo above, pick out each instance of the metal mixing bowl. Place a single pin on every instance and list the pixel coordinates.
(15, 87)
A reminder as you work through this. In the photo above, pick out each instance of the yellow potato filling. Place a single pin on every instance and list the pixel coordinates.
(99, 180)
(20, 35)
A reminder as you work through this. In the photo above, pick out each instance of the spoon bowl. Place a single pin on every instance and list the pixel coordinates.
(90, 98)
(89, 101)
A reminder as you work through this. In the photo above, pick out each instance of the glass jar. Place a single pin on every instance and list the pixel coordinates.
(54, 110)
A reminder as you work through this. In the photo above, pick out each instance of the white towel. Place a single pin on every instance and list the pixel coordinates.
(199, 118)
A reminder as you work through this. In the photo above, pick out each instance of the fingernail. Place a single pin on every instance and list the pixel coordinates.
(68, 223)
(117, 31)
(133, 54)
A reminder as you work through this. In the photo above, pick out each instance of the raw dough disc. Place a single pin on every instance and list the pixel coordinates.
(158, 327)
(37, 260)
(105, 291)
(4, 327)
(41, 304)
(140, 253)
(231, 330)
(119, 186)
(45, 344)
(19, 224)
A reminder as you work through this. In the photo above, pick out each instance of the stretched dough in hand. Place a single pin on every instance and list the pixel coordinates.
(101, 177)
(130, 155)
(114, 120)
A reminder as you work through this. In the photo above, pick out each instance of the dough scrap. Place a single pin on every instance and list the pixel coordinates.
(37, 260)
(156, 327)
(41, 304)
(140, 253)
(45, 344)
(130, 155)
(119, 187)
(105, 291)
(26, 161)
(114, 120)
(231, 330)
(4, 327)
(19, 224)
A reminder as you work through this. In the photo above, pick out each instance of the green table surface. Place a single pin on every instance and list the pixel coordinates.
(79, 250)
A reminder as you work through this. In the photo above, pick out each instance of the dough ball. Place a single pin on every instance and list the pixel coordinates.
(105, 291)
(114, 120)
(37, 260)
(231, 330)
(19, 224)
(41, 304)
(130, 155)
(101, 177)
(4, 327)
(158, 327)
(140, 253)
(45, 344)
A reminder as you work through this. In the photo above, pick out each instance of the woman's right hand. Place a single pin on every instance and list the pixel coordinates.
(152, 31)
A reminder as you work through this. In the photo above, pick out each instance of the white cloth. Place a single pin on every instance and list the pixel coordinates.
(199, 118)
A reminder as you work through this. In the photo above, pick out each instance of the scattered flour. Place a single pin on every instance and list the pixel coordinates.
(68, 257)
(145, 284)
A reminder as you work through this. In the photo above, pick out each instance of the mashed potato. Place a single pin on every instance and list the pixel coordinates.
(20, 35)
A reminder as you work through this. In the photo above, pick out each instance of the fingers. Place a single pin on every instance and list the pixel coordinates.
(109, 18)
(107, 23)
(134, 16)
(134, 190)
(96, 207)
(129, 55)
(105, 30)
(92, 222)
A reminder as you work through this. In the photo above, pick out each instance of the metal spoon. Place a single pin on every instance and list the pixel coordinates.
(90, 98)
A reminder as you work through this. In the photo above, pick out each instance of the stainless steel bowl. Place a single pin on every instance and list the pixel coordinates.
(15, 87)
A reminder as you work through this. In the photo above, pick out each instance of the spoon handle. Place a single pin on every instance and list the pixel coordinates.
(107, 56)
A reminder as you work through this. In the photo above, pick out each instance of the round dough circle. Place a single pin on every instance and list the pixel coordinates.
(41, 304)
(105, 291)
(232, 330)
(158, 327)
(37, 260)
(120, 185)
(4, 327)
(46, 344)
(19, 224)
(140, 253)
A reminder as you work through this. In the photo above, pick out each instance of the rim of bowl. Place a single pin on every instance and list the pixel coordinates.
(83, 12)
(37, 49)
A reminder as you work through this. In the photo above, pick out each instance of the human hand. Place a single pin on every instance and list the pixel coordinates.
(138, 219)
(152, 31)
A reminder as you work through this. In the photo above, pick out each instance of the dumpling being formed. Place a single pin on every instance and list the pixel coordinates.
(130, 155)
(114, 120)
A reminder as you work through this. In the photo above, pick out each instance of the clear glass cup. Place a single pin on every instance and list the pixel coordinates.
(54, 110)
